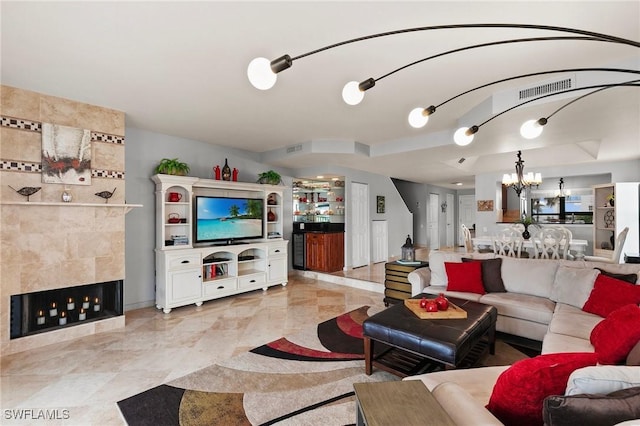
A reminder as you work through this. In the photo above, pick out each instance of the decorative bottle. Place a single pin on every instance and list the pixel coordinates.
(235, 174)
(226, 171)
(271, 216)
(216, 170)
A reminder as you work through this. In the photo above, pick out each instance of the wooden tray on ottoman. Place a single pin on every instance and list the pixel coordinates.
(454, 312)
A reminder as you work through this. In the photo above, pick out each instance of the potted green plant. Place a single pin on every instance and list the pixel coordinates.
(269, 177)
(172, 166)
(527, 221)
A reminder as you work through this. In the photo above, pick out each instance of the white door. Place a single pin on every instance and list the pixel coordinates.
(450, 218)
(380, 237)
(433, 223)
(360, 248)
(466, 214)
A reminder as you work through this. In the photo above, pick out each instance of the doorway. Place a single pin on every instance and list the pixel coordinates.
(360, 247)
(466, 214)
(433, 222)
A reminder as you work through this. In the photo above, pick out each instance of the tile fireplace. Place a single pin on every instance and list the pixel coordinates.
(37, 312)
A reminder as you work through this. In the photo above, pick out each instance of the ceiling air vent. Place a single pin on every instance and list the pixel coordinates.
(294, 148)
(545, 89)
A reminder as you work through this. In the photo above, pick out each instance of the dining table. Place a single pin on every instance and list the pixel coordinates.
(577, 247)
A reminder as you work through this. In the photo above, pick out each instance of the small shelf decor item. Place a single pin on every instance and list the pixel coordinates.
(380, 204)
(106, 194)
(408, 251)
(26, 191)
(269, 177)
(172, 166)
(226, 171)
(611, 198)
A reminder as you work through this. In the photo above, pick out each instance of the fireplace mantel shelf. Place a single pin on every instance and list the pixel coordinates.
(127, 207)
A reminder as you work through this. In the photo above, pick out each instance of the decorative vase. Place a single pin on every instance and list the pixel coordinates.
(235, 174)
(226, 171)
(611, 202)
(271, 216)
(216, 171)
(526, 235)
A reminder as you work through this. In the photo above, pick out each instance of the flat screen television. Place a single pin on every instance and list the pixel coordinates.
(227, 220)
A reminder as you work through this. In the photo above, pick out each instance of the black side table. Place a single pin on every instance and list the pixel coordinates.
(396, 285)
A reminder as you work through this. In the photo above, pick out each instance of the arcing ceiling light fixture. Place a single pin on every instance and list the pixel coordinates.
(531, 129)
(262, 73)
(464, 135)
(418, 117)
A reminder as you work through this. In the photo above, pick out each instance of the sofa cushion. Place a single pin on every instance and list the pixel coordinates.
(573, 285)
(461, 406)
(592, 409)
(634, 356)
(464, 277)
(572, 321)
(519, 392)
(530, 308)
(602, 379)
(554, 343)
(630, 278)
(528, 276)
(609, 294)
(615, 336)
(436, 265)
(491, 274)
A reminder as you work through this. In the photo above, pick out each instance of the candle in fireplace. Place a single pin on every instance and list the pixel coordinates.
(40, 318)
(70, 304)
(53, 311)
(96, 306)
(63, 318)
(85, 304)
(82, 316)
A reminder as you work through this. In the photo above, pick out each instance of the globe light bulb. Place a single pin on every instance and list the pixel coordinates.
(531, 129)
(461, 138)
(351, 93)
(417, 118)
(260, 75)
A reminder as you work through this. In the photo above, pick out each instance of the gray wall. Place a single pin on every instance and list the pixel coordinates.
(144, 149)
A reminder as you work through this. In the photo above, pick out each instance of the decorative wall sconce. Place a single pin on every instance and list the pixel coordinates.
(443, 206)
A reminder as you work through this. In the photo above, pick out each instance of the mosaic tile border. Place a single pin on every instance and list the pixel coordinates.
(24, 166)
(18, 123)
(20, 166)
(35, 126)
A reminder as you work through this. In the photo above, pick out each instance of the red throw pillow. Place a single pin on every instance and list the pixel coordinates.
(609, 294)
(519, 392)
(615, 336)
(464, 277)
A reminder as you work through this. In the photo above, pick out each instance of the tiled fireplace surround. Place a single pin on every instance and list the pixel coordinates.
(46, 244)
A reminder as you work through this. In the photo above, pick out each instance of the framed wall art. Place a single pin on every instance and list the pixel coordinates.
(485, 205)
(66, 155)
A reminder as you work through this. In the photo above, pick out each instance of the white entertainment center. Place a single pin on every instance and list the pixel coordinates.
(188, 273)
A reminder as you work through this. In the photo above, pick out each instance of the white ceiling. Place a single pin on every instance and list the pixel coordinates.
(179, 68)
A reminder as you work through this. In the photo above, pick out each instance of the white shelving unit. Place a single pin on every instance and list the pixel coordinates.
(609, 221)
(318, 202)
(186, 273)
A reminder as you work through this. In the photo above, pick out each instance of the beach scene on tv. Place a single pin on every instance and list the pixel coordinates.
(228, 218)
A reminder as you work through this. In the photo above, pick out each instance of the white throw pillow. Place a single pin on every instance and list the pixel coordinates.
(528, 276)
(436, 264)
(602, 379)
(573, 286)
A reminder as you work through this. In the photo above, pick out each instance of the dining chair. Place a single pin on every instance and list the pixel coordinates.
(549, 243)
(617, 250)
(468, 245)
(507, 242)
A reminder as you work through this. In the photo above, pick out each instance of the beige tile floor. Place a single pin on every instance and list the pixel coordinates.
(81, 380)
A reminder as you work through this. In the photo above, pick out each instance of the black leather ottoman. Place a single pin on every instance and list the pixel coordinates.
(445, 341)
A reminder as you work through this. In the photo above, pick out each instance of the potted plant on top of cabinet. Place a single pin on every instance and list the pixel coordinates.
(172, 166)
(269, 177)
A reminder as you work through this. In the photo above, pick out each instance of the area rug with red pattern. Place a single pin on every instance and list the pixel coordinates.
(305, 379)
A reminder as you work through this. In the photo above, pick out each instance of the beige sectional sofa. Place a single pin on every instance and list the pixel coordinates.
(543, 301)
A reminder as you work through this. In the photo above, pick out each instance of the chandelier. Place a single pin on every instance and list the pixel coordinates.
(518, 180)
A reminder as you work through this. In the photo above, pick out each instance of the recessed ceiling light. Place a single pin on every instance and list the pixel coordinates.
(335, 178)
(457, 183)
(320, 177)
